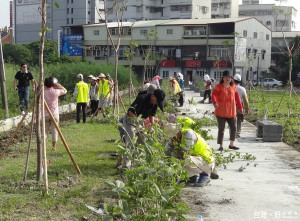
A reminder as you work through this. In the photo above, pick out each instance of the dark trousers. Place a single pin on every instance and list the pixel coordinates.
(94, 107)
(221, 127)
(81, 106)
(239, 118)
(180, 99)
(23, 98)
(207, 93)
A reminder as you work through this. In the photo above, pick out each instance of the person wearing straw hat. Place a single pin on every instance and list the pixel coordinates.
(81, 97)
(103, 93)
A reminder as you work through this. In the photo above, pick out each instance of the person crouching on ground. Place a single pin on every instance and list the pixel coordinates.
(225, 97)
(103, 93)
(176, 90)
(51, 93)
(200, 156)
(81, 97)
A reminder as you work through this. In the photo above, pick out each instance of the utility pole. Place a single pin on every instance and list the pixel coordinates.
(2, 80)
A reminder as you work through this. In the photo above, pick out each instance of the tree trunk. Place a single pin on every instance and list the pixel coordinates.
(290, 75)
(116, 91)
(130, 81)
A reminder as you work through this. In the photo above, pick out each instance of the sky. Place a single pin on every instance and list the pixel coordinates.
(4, 10)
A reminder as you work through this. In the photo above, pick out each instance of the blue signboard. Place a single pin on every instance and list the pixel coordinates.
(71, 45)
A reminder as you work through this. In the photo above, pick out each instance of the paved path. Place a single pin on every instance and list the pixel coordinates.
(269, 191)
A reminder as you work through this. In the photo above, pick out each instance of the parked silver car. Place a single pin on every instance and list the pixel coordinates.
(271, 82)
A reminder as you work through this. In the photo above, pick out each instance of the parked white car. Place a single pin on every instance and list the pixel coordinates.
(271, 82)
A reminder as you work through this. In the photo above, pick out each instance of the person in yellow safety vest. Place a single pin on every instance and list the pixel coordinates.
(176, 90)
(81, 97)
(199, 153)
(103, 92)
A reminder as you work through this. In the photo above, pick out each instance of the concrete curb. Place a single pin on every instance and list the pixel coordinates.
(10, 123)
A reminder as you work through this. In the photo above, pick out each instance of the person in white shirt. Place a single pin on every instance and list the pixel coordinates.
(244, 99)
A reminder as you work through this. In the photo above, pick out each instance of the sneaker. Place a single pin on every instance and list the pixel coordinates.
(203, 180)
(23, 112)
(220, 149)
(192, 179)
(201, 102)
(233, 147)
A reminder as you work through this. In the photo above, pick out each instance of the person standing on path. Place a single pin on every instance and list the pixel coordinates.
(104, 92)
(176, 91)
(93, 91)
(52, 91)
(207, 92)
(81, 96)
(244, 99)
(21, 84)
(225, 97)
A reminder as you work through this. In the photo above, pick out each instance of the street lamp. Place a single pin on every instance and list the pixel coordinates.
(196, 57)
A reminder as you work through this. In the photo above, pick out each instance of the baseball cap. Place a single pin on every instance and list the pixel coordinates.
(160, 96)
(226, 74)
(237, 77)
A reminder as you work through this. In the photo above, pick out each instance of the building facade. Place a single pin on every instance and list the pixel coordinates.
(193, 47)
(26, 17)
(224, 8)
(277, 18)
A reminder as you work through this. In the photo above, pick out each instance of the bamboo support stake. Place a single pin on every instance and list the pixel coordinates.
(16, 130)
(62, 138)
(44, 142)
(122, 102)
(29, 144)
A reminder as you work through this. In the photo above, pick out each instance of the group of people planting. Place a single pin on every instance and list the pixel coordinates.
(228, 98)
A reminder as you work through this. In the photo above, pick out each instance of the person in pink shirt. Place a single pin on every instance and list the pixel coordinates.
(51, 93)
(225, 97)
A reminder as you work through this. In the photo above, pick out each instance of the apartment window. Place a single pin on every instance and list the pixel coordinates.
(71, 1)
(282, 23)
(169, 31)
(68, 1)
(166, 74)
(162, 1)
(71, 10)
(67, 21)
(139, 9)
(89, 2)
(268, 23)
(244, 33)
(143, 32)
(218, 50)
(267, 37)
(254, 34)
(67, 11)
(96, 32)
(89, 12)
(71, 20)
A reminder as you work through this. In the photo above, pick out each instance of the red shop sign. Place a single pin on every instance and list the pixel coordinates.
(167, 63)
(219, 64)
(193, 63)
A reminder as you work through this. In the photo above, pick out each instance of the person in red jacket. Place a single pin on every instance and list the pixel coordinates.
(225, 97)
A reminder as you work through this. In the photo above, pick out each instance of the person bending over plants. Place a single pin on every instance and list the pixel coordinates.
(199, 154)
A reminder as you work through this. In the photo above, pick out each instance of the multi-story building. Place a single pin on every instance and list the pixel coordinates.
(279, 40)
(193, 47)
(224, 8)
(140, 10)
(26, 17)
(277, 18)
(251, 2)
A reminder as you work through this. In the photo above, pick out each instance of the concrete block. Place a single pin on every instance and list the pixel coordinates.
(270, 131)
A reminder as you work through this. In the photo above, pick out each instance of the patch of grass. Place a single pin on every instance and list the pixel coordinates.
(68, 191)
